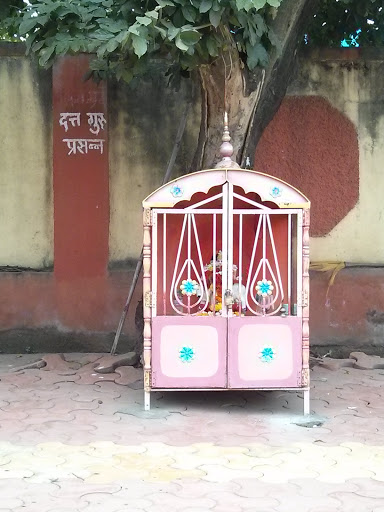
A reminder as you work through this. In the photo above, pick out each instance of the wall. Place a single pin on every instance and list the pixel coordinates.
(91, 201)
(325, 139)
(26, 227)
(143, 126)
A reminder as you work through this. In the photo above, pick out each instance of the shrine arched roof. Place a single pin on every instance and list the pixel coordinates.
(267, 187)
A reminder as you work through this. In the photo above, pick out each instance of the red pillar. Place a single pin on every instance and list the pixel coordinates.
(81, 194)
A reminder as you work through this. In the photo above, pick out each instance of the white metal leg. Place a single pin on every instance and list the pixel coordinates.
(307, 407)
(147, 400)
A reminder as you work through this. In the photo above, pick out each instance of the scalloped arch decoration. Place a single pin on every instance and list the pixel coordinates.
(267, 187)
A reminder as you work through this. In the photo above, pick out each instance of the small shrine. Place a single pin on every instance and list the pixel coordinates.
(226, 283)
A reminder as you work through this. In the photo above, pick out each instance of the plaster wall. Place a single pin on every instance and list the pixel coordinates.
(355, 88)
(143, 123)
(26, 207)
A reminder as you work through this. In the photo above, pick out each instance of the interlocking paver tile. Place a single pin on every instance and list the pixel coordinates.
(190, 446)
(352, 502)
(100, 502)
(216, 473)
(367, 487)
(178, 502)
(128, 375)
(236, 500)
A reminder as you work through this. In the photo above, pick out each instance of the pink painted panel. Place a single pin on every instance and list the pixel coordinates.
(189, 352)
(264, 352)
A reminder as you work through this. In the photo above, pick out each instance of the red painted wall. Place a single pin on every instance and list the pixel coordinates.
(314, 147)
(81, 194)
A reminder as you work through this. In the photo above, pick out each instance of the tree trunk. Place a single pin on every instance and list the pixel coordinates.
(251, 99)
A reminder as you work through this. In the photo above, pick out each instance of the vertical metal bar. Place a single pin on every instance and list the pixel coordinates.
(173, 290)
(289, 312)
(154, 260)
(189, 246)
(248, 288)
(189, 261)
(264, 245)
(299, 263)
(164, 263)
(200, 256)
(214, 228)
(224, 267)
(240, 254)
(272, 238)
(230, 243)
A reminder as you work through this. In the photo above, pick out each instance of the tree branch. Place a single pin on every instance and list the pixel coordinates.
(289, 26)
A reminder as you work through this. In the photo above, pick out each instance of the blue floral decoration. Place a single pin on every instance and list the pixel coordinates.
(176, 190)
(187, 354)
(267, 354)
(189, 287)
(276, 191)
(264, 287)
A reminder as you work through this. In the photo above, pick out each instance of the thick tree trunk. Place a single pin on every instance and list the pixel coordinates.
(251, 99)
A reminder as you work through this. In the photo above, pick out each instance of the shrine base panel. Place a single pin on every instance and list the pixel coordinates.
(226, 353)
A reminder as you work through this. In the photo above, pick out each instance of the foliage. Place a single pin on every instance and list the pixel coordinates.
(354, 22)
(124, 34)
(8, 20)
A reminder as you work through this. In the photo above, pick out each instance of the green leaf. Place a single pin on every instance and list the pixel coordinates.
(75, 45)
(134, 29)
(190, 37)
(162, 31)
(143, 20)
(256, 55)
(172, 31)
(179, 43)
(26, 25)
(259, 4)
(189, 13)
(212, 47)
(112, 45)
(165, 3)
(205, 6)
(152, 14)
(140, 45)
(274, 3)
(215, 18)
(62, 47)
(45, 55)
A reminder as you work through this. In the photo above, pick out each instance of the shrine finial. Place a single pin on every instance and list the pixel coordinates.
(226, 149)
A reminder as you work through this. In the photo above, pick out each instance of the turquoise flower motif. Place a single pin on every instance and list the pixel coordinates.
(267, 354)
(264, 287)
(276, 191)
(189, 287)
(186, 354)
(176, 191)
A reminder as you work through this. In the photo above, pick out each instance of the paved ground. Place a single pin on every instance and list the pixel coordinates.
(73, 439)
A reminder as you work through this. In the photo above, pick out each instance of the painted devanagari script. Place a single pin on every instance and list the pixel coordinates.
(82, 146)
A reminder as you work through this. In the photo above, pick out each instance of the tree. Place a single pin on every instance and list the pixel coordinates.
(241, 51)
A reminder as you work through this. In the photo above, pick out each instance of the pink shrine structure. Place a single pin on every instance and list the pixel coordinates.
(226, 282)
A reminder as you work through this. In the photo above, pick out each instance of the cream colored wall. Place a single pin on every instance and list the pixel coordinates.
(143, 127)
(356, 89)
(26, 220)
